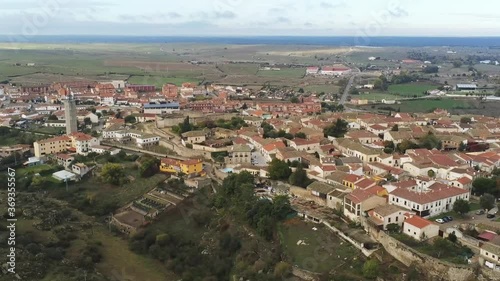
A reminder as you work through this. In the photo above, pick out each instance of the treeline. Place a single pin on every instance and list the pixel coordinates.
(235, 123)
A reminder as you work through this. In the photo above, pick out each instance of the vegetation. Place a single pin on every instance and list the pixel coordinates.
(299, 177)
(270, 132)
(431, 69)
(330, 107)
(149, 166)
(235, 123)
(237, 196)
(430, 141)
(130, 119)
(279, 170)
(483, 185)
(113, 174)
(487, 201)
(337, 130)
(461, 206)
(371, 269)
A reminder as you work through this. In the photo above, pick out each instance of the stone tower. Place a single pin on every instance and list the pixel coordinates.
(70, 114)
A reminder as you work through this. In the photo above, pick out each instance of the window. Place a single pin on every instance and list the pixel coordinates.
(389, 220)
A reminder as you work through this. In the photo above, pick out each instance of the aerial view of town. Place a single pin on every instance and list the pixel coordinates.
(248, 154)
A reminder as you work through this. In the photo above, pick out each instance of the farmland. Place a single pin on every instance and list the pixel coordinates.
(318, 250)
(455, 106)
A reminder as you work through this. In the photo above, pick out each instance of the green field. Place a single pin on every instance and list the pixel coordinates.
(411, 89)
(429, 105)
(159, 81)
(376, 96)
(283, 73)
(322, 252)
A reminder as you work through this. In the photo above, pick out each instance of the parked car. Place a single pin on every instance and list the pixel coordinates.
(440, 221)
(490, 216)
(480, 212)
(449, 218)
(445, 219)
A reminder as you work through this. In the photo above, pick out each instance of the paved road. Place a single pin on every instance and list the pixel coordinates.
(343, 99)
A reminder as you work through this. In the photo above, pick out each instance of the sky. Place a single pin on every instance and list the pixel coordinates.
(250, 17)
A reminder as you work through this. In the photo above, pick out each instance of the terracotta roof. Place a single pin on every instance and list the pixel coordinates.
(64, 156)
(418, 222)
(387, 210)
(464, 180)
(434, 194)
(169, 161)
(273, 146)
(191, 162)
(359, 195)
(81, 136)
(352, 178)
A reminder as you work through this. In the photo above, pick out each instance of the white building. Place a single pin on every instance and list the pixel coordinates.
(80, 169)
(387, 214)
(429, 201)
(490, 255)
(419, 228)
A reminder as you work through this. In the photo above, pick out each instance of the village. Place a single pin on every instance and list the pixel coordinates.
(414, 177)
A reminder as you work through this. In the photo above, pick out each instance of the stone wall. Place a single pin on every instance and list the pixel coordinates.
(435, 268)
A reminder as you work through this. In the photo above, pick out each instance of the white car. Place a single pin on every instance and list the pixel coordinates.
(440, 221)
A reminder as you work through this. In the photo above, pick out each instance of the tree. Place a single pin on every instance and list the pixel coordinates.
(336, 130)
(371, 269)
(431, 173)
(431, 69)
(462, 146)
(465, 120)
(354, 92)
(301, 90)
(279, 170)
(481, 186)
(130, 119)
(282, 270)
(52, 117)
(452, 237)
(380, 84)
(113, 174)
(395, 128)
(405, 145)
(461, 206)
(244, 106)
(149, 167)
(487, 201)
(457, 64)
(299, 177)
(497, 93)
(185, 126)
(87, 121)
(430, 141)
(294, 100)
(301, 135)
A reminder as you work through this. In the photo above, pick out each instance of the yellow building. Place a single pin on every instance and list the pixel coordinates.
(52, 145)
(76, 142)
(188, 167)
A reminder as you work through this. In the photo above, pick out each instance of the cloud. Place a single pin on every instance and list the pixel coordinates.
(224, 14)
(331, 5)
(174, 15)
(282, 20)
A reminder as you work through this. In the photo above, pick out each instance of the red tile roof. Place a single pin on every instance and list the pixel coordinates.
(359, 195)
(352, 178)
(434, 194)
(418, 222)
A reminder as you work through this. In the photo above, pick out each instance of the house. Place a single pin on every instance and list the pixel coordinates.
(64, 176)
(193, 137)
(490, 254)
(419, 228)
(320, 190)
(128, 221)
(64, 160)
(362, 136)
(429, 201)
(313, 70)
(161, 108)
(350, 147)
(387, 214)
(360, 201)
(239, 154)
(80, 169)
(466, 87)
(308, 146)
(191, 167)
(269, 150)
(76, 142)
